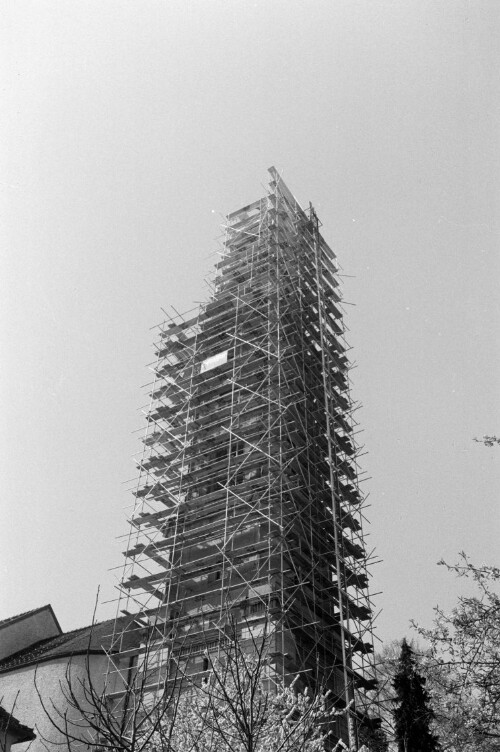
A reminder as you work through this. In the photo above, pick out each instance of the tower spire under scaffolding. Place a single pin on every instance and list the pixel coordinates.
(248, 498)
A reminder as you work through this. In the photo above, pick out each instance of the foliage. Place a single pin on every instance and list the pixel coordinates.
(386, 663)
(413, 714)
(236, 704)
(232, 714)
(239, 706)
(465, 662)
(489, 441)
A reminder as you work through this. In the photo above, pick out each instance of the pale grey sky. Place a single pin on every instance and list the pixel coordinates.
(127, 128)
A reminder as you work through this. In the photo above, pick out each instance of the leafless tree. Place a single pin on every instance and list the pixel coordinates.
(236, 703)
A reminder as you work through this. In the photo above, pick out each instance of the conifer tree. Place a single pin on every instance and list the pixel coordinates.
(413, 713)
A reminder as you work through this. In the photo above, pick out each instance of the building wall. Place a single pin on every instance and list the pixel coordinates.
(24, 632)
(18, 686)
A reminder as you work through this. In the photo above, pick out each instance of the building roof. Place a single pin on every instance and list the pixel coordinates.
(97, 638)
(9, 724)
(19, 617)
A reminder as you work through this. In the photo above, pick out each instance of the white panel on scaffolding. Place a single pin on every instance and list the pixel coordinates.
(214, 361)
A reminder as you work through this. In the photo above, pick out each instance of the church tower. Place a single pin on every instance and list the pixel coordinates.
(248, 500)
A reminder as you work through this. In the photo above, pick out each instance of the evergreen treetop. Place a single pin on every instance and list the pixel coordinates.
(413, 713)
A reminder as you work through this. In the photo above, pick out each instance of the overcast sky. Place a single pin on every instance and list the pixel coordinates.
(128, 128)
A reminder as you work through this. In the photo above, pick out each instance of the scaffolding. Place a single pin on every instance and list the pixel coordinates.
(248, 499)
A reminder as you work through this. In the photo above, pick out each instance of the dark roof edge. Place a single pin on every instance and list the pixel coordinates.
(8, 723)
(45, 659)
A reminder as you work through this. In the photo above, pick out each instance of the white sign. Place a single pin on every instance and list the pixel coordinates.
(214, 361)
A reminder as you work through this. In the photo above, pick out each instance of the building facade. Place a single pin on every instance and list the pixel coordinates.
(46, 674)
(248, 500)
